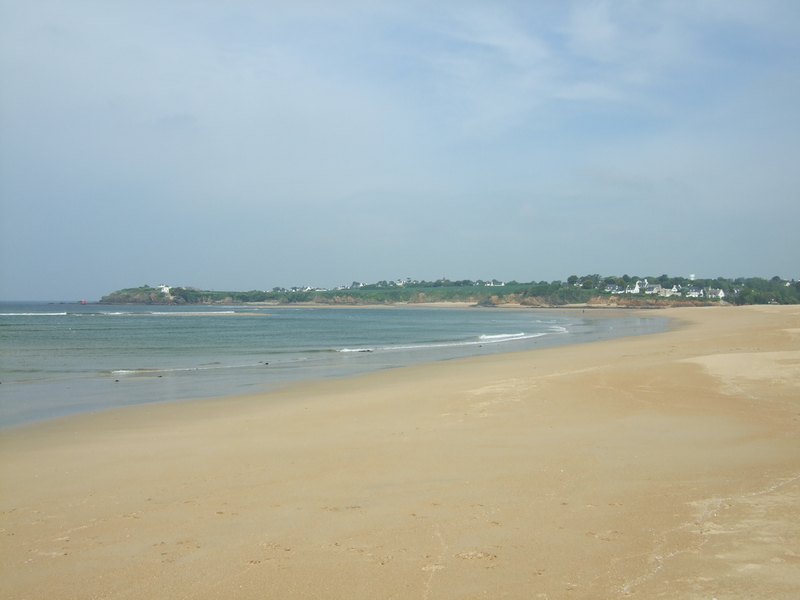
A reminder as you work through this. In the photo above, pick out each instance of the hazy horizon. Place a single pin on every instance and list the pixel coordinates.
(245, 146)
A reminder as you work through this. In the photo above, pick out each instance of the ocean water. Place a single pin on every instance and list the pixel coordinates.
(58, 359)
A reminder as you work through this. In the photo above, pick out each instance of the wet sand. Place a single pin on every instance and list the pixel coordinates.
(660, 466)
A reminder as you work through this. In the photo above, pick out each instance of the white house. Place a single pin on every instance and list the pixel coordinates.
(653, 288)
(694, 292)
(666, 292)
(636, 288)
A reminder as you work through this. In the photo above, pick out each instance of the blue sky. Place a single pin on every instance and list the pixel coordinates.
(247, 145)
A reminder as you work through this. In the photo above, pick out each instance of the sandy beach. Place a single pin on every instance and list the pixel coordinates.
(659, 466)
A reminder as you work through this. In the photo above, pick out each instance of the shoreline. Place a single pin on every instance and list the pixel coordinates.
(50, 397)
(500, 305)
(656, 464)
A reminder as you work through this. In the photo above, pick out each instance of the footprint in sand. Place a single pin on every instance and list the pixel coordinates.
(475, 555)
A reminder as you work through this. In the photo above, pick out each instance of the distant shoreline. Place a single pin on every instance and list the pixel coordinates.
(503, 305)
(631, 292)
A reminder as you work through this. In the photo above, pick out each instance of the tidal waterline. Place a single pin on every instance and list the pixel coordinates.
(58, 359)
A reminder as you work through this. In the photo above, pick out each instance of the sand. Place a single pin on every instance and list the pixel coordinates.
(660, 466)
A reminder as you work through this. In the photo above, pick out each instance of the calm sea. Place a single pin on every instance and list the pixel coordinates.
(57, 359)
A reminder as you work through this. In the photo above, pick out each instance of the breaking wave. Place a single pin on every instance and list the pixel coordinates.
(479, 341)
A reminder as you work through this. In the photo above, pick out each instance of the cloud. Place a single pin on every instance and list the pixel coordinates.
(591, 32)
(468, 134)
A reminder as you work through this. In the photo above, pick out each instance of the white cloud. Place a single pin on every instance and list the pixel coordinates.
(591, 32)
(543, 112)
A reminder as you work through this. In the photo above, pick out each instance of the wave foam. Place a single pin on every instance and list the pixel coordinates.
(58, 314)
(481, 340)
(502, 336)
(182, 369)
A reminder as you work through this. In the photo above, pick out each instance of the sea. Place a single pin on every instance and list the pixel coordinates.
(58, 359)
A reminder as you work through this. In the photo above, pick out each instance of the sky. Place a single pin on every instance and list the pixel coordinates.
(244, 145)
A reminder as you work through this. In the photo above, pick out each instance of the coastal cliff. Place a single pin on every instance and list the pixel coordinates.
(140, 295)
